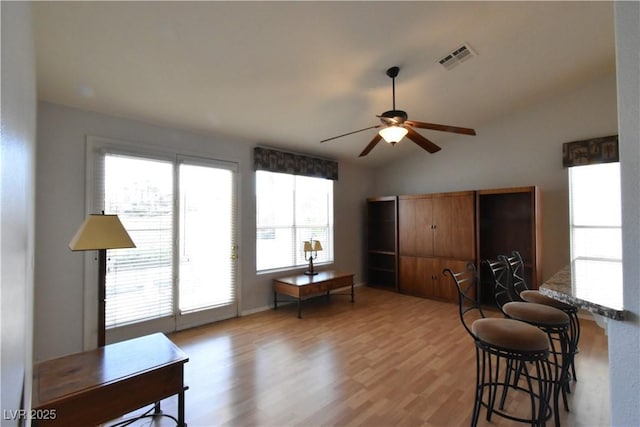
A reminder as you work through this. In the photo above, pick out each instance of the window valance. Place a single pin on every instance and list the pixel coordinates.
(271, 160)
(590, 151)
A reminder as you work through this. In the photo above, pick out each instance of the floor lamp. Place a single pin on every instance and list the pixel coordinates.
(101, 232)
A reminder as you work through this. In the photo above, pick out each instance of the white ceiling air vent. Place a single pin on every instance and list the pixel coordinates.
(459, 55)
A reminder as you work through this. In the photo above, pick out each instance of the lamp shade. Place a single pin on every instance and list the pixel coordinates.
(101, 232)
(393, 134)
(313, 245)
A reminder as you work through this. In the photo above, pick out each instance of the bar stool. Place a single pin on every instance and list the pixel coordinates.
(522, 290)
(550, 320)
(500, 344)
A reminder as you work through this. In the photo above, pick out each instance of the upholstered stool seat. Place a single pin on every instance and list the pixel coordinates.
(510, 334)
(536, 313)
(538, 298)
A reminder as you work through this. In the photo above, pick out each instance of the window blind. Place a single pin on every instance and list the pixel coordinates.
(207, 251)
(291, 209)
(595, 212)
(139, 282)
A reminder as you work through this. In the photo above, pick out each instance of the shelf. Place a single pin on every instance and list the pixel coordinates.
(508, 219)
(381, 252)
(383, 270)
(382, 260)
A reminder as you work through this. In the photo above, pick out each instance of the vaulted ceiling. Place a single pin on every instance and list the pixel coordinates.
(289, 74)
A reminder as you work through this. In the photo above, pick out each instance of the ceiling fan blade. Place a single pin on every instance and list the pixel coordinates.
(444, 128)
(372, 144)
(422, 141)
(350, 133)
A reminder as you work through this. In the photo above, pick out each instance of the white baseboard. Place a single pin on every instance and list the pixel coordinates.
(255, 310)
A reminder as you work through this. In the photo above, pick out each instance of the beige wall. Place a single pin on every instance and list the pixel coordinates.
(17, 166)
(523, 148)
(624, 337)
(60, 319)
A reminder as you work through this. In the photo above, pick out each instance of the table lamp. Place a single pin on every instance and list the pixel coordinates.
(101, 232)
(311, 247)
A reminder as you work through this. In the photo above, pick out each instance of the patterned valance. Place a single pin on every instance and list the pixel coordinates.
(590, 151)
(268, 159)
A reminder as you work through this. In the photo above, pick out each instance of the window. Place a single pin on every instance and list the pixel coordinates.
(596, 232)
(289, 210)
(180, 213)
(596, 227)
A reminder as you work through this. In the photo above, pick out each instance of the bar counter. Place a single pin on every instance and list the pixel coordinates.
(595, 286)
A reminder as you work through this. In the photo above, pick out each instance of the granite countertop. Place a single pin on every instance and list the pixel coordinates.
(595, 286)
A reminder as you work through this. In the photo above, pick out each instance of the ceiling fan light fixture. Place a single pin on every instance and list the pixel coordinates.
(393, 134)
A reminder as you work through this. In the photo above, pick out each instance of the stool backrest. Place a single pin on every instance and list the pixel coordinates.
(501, 280)
(516, 271)
(466, 283)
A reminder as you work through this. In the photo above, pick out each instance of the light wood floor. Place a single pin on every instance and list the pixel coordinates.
(387, 360)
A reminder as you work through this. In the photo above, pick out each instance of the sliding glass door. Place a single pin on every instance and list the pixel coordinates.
(181, 214)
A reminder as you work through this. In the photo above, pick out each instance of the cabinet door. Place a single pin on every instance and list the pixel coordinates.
(424, 231)
(422, 277)
(416, 276)
(415, 224)
(444, 287)
(406, 226)
(454, 219)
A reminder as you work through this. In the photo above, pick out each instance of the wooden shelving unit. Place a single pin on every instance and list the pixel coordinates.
(382, 242)
(508, 219)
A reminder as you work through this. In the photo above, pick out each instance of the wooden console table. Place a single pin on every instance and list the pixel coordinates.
(96, 386)
(303, 286)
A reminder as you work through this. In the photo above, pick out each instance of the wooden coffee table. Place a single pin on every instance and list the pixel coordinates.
(96, 386)
(302, 287)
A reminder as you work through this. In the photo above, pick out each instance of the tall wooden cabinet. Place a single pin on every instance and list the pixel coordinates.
(412, 238)
(382, 242)
(435, 231)
(509, 219)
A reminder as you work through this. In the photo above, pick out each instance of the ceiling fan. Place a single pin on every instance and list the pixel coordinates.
(395, 126)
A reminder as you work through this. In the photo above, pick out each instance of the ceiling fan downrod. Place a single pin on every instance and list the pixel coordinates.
(393, 73)
(393, 117)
